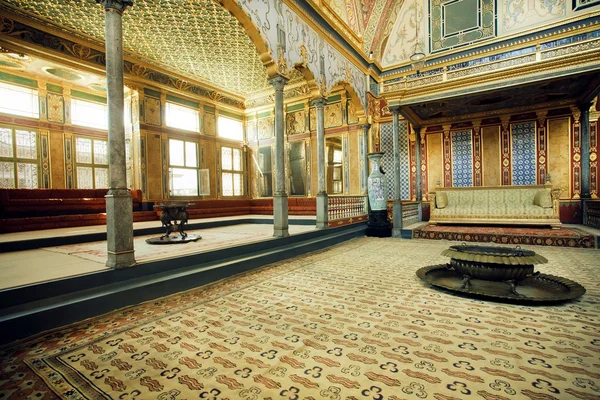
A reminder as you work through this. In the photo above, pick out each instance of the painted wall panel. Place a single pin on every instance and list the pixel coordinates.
(559, 155)
(354, 163)
(57, 160)
(154, 166)
(434, 160)
(492, 173)
(314, 165)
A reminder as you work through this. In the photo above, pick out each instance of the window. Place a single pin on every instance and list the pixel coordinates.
(232, 173)
(91, 163)
(182, 117)
(183, 168)
(87, 113)
(19, 160)
(18, 100)
(230, 128)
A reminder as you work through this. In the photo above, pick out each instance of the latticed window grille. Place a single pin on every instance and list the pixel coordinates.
(232, 172)
(91, 163)
(19, 158)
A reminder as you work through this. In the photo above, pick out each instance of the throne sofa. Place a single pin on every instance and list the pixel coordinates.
(506, 205)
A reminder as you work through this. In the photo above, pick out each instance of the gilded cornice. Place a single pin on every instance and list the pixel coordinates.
(510, 76)
(90, 56)
(493, 47)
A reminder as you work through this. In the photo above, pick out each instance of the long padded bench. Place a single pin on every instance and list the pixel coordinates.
(35, 209)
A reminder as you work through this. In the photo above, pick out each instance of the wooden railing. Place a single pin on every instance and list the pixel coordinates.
(339, 207)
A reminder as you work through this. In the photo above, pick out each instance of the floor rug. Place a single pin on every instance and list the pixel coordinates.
(563, 237)
(350, 322)
(212, 239)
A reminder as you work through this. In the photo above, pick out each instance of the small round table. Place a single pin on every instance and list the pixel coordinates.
(173, 218)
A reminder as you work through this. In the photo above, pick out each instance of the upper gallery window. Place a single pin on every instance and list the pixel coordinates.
(181, 117)
(19, 158)
(18, 100)
(230, 128)
(90, 114)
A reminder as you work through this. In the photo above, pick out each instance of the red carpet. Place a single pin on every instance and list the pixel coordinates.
(563, 237)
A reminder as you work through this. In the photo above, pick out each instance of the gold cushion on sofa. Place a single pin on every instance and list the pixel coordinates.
(543, 199)
(441, 200)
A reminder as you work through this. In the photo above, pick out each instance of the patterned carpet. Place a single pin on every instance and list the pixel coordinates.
(212, 239)
(350, 322)
(563, 237)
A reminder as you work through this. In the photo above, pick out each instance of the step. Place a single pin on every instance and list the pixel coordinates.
(53, 304)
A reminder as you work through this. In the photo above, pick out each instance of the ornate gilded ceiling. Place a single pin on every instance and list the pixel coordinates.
(373, 20)
(195, 38)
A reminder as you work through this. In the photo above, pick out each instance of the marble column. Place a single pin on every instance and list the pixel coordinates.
(418, 177)
(585, 150)
(397, 202)
(119, 213)
(280, 198)
(365, 151)
(322, 200)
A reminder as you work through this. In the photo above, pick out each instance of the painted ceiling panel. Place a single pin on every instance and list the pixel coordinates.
(196, 38)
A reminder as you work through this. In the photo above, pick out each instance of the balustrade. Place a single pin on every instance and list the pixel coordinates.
(340, 207)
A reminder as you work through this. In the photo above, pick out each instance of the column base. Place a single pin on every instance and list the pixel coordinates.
(280, 215)
(322, 211)
(119, 229)
(378, 224)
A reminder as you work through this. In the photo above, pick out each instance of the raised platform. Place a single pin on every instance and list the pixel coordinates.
(35, 307)
(566, 236)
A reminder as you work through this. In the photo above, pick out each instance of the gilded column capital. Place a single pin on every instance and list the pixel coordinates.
(541, 116)
(115, 5)
(505, 121)
(576, 113)
(395, 110)
(477, 126)
(318, 103)
(278, 82)
(365, 127)
(446, 128)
